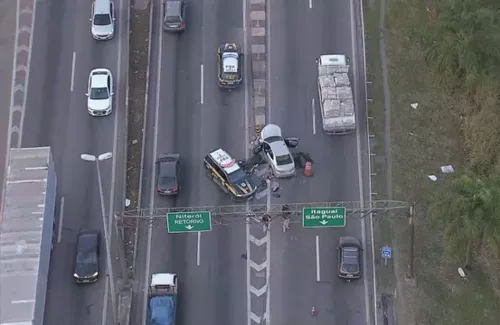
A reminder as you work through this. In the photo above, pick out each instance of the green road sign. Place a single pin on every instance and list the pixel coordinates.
(323, 217)
(189, 221)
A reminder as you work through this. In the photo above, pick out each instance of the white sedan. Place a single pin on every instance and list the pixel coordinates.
(276, 150)
(100, 92)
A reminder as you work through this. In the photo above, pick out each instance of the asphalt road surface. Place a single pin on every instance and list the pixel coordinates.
(300, 31)
(190, 115)
(64, 52)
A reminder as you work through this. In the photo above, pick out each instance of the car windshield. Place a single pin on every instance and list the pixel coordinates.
(99, 93)
(237, 176)
(172, 19)
(284, 160)
(86, 258)
(102, 20)
(230, 62)
(166, 181)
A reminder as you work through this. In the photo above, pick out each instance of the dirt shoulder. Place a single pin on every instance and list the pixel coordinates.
(421, 140)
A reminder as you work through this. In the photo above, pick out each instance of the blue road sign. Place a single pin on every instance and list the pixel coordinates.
(386, 252)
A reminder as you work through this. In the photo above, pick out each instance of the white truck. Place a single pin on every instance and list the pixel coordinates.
(335, 94)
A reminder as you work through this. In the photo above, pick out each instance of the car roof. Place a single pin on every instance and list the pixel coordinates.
(173, 7)
(279, 148)
(224, 160)
(168, 168)
(99, 80)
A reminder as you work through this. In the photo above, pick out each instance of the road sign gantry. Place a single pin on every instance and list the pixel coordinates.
(238, 214)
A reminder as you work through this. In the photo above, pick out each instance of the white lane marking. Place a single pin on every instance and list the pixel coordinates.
(250, 314)
(198, 249)
(268, 63)
(360, 180)
(104, 319)
(201, 84)
(153, 169)
(267, 313)
(314, 116)
(310, 4)
(73, 64)
(318, 274)
(61, 216)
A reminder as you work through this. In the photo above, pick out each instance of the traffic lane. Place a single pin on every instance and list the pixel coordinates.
(295, 105)
(296, 255)
(206, 118)
(335, 158)
(74, 133)
(7, 40)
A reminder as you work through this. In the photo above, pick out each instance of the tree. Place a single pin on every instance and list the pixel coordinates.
(464, 41)
(468, 212)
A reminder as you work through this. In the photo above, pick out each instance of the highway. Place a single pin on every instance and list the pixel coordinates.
(325, 28)
(64, 52)
(188, 114)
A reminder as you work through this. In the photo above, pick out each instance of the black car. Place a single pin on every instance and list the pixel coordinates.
(229, 174)
(349, 257)
(168, 174)
(87, 256)
(174, 15)
(230, 65)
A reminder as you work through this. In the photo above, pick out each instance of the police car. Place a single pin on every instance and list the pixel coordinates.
(230, 65)
(228, 174)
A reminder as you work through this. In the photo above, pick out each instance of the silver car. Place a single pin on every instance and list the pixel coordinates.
(103, 20)
(275, 150)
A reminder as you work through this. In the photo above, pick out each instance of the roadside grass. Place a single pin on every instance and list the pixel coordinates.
(422, 140)
(139, 42)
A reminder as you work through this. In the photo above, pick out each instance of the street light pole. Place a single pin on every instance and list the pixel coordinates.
(95, 159)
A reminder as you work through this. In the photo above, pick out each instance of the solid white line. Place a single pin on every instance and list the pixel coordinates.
(104, 319)
(247, 155)
(314, 116)
(198, 249)
(268, 120)
(201, 84)
(318, 275)
(360, 180)
(61, 216)
(310, 4)
(153, 169)
(73, 64)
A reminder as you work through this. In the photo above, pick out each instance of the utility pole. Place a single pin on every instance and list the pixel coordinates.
(97, 159)
(411, 266)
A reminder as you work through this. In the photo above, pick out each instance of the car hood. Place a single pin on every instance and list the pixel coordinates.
(99, 104)
(103, 30)
(86, 270)
(244, 188)
(270, 130)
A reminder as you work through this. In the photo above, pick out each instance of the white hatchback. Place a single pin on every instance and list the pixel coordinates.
(100, 92)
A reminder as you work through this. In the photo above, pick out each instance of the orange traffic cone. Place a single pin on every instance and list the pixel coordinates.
(313, 311)
(308, 169)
